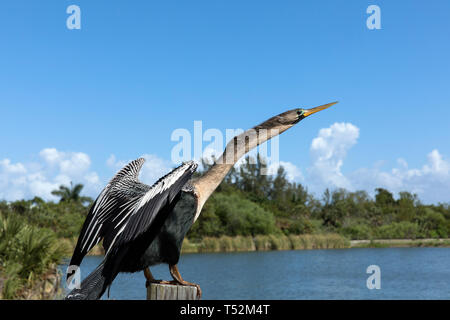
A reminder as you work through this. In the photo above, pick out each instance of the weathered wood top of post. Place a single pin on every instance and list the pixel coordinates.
(156, 291)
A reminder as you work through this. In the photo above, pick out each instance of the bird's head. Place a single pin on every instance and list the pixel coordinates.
(287, 119)
(296, 115)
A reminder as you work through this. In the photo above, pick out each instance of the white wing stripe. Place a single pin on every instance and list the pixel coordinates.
(95, 236)
(125, 216)
(114, 240)
(161, 187)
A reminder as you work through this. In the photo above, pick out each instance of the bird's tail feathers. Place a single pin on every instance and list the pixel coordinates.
(91, 288)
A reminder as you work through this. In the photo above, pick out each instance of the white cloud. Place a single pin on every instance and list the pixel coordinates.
(51, 155)
(293, 173)
(71, 163)
(26, 180)
(6, 165)
(431, 182)
(328, 151)
(437, 165)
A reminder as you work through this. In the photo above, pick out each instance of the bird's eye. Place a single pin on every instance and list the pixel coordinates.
(299, 112)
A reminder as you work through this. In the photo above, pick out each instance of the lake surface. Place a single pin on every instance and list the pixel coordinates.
(406, 273)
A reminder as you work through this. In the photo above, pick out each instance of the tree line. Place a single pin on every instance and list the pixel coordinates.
(250, 203)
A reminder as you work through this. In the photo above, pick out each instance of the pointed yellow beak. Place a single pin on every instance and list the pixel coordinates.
(317, 109)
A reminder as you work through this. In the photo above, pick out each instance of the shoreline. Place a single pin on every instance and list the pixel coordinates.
(282, 242)
(400, 243)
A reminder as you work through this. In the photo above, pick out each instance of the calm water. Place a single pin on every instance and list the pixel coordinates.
(406, 273)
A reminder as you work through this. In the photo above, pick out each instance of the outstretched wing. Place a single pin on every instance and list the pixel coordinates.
(116, 199)
(138, 221)
(126, 207)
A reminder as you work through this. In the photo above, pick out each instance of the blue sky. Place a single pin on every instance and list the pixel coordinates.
(137, 71)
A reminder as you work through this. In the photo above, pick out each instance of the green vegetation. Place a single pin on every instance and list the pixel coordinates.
(27, 253)
(249, 211)
(30, 248)
(248, 203)
(64, 218)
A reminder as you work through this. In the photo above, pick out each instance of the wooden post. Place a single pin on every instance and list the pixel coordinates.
(156, 291)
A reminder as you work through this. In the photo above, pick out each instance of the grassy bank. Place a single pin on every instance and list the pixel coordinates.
(248, 243)
(399, 243)
(265, 243)
(282, 242)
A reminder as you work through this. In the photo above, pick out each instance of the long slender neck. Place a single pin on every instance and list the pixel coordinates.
(235, 149)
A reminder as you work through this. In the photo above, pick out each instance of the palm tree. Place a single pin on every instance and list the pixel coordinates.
(71, 194)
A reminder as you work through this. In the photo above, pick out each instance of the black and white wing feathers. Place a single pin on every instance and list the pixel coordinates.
(112, 203)
(126, 207)
(138, 220)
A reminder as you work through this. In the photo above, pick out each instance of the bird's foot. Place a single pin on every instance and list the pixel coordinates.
(199, 291)
(177, 277)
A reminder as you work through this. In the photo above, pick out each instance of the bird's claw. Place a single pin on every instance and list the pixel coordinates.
(199, 291)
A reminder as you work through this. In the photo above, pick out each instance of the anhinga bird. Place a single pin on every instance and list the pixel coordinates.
(142, 226)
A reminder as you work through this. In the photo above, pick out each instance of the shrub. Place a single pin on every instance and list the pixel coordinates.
(302, 226)
(398, 230)
(26, 253)
(432, 223)
(357, 231)
(240, 216)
